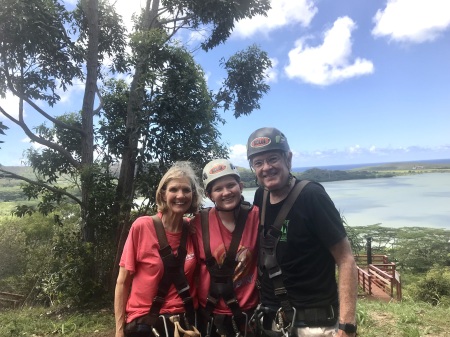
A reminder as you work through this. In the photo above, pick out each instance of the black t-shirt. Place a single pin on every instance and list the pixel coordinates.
(311, 227)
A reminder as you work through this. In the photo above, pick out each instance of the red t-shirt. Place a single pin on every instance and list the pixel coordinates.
(141, 257)
(220, 239)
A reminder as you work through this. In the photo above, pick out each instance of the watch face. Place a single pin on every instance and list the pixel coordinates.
(347, 327)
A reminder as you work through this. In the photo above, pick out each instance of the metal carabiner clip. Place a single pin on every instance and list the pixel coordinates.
(236, 328)
(280, 322)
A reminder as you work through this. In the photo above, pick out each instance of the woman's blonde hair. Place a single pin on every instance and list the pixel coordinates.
(180, 169)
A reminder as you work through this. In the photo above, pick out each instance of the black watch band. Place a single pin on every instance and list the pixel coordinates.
(347, 327)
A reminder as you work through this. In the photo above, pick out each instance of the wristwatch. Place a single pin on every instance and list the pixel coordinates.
(347, 327)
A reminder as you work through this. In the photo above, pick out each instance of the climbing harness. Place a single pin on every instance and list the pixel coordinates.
(173, 274)
(221, 276)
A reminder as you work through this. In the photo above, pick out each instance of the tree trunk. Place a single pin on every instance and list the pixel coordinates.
(90, 8)
(125, 185)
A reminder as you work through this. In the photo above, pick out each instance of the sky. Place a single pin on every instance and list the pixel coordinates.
(352, 81)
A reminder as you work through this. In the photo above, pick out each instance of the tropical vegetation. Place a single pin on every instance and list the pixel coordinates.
(145, 105)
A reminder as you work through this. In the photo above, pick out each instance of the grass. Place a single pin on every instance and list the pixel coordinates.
(402, 319)
(39, 322)
(375, 318)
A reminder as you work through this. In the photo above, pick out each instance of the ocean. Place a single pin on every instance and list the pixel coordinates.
(355, 166)
(420, 200)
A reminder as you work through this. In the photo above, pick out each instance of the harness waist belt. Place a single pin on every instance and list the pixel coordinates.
(319, 316)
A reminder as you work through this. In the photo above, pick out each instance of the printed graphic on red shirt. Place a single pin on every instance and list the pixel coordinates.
(243, 268)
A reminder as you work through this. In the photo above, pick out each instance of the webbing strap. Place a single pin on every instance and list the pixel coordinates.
(269, 242)
(173, 272)
(221, 276)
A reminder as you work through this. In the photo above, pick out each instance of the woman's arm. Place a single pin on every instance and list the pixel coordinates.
(121, 294)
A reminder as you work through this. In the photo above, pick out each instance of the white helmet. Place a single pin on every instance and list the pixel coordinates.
(216, 169)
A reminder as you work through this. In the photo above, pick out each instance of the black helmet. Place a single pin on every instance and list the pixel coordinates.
(266, 139)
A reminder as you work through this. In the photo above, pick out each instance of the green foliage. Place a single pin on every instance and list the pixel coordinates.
(219, 15)
(69, 278)
(248, 177)
(413, 249)
(362, 316)
(421, 248)
(11, 194)
(245, 84)
(12, 251)
(3, 127)
(48, 163)
(112, 35)
(166, 114)
(183, 124)
(374, 319)
(353, 237)
(383, 238)
(434, 288)
(167, 135)
(25, 251)
(23, 210)
(37, 54)
(319, 175)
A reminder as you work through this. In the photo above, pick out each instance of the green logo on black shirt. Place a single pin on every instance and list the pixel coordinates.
(284, 229)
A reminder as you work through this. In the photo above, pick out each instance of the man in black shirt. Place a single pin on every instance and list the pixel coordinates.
(298, 257)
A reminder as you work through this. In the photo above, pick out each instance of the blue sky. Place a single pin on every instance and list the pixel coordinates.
(353, 81)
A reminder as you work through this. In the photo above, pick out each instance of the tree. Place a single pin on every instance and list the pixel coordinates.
(418, 249)
(45, 47)
(2, 130)
(221, 16)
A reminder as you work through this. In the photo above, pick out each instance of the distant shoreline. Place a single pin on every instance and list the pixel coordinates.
(371, 166)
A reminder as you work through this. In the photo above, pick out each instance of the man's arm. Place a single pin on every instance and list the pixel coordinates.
(121, 294)
(348, 283)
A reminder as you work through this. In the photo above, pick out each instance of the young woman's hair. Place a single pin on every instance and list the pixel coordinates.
(180, 169)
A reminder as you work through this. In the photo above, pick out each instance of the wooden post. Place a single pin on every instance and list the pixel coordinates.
(369, 250)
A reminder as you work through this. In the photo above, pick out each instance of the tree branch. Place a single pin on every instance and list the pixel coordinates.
(43, 113)
(33, 105)
(100, 106)
(41, 140)
(38, 183)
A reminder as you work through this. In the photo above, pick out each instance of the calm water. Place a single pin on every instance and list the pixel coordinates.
(421, 200)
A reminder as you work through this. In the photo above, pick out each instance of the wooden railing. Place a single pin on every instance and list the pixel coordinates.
(381, 275)
(13, 300)
(376, 259)
(365, 281)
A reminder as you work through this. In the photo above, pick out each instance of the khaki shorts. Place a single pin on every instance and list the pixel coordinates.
(327, 331)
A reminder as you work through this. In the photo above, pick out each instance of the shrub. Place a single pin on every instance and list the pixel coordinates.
(12, 251)
(69, 279)
(434, 288)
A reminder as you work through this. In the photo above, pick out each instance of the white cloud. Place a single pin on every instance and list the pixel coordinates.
(354, 154)
(11, 105)
(413, 21)
(282, 13)
(196, 36)
(126, 9)
(272, 73)
(76, 88)
(331, 61)
(355, 149)
(34, 145)
(238, 155)
(71, 2)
